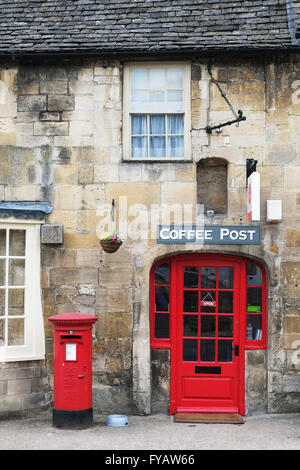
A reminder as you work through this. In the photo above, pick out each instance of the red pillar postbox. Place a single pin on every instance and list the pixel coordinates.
(73, 407)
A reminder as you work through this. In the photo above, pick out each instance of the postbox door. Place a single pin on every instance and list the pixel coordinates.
(73, 372)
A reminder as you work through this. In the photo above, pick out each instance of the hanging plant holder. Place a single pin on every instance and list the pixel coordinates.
(110, 246)
(111, 243)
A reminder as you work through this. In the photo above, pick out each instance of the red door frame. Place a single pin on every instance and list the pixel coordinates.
(171, 342)
(176, 261)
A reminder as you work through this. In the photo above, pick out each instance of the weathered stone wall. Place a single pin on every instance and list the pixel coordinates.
(61, 141)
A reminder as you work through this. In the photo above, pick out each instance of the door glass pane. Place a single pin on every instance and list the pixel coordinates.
(208, 325)
(254, 275)
(17, 242)
(2, 242)
(225, 350)
(15, 332)
(208, 278)
(2, 272)
(226, 302)
(15, 301)
(254, 299)
(208, 301)
(162, 299)
(190, 350)
(161, 329)
(162, 274)
(190, 301)
(16, 273)
(190, 277)
(207, 350)
(2, 332)
(225, 326)
(254, 327)
(225, 278)
(190, 325)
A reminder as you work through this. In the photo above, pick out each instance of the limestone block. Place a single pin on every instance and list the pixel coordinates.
(66, 174)
(32, 103)
(60, 103)
(83, 154)
(81, 240)
(67, 276)
(93, 196)
(293, 238)
(67, 218)
(112, 300)
(85, 174)
(68, 197)
(178, 193)
(291, 179)
(54, 87)
(51, 128)
(7, 131)
(291, 324)
(145, 193)
(106, 173)
(81, 128)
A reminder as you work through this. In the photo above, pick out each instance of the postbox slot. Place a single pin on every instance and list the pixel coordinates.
(70, 337)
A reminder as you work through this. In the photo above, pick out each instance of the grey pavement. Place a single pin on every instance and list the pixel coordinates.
(160, 432)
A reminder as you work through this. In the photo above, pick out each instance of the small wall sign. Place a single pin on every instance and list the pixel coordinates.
(210, 234)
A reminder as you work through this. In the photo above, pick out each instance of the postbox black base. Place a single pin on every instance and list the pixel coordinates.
(72, 419)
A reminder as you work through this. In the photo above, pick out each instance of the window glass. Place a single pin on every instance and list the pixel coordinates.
(208, 278)
(254, 275)
(162, 274)
(190, 325)
(139, 79)
(162, 327)
(254, 299)
(190, 301)
(162, 298)
(190, 350)
(190, 277)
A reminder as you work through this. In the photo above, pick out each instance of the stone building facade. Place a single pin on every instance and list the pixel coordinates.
(62, 144)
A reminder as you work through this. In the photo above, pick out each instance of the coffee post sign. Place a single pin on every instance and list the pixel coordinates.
(210, 234)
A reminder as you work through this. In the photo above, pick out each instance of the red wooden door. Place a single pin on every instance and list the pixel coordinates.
(206, 363)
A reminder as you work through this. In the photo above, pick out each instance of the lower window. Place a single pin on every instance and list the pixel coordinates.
(21, 322)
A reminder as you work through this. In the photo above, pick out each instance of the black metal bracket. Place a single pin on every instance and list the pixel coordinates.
(238, 116)
(250, 167)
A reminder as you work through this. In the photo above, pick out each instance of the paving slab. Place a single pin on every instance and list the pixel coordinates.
(154, 432)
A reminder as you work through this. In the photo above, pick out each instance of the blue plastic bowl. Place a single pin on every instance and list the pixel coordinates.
(117, 421)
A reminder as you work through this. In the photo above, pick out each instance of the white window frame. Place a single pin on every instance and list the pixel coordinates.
(34, 335)
(127, 154)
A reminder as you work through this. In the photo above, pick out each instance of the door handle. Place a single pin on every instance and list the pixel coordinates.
(236, 350)
(81, 376)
